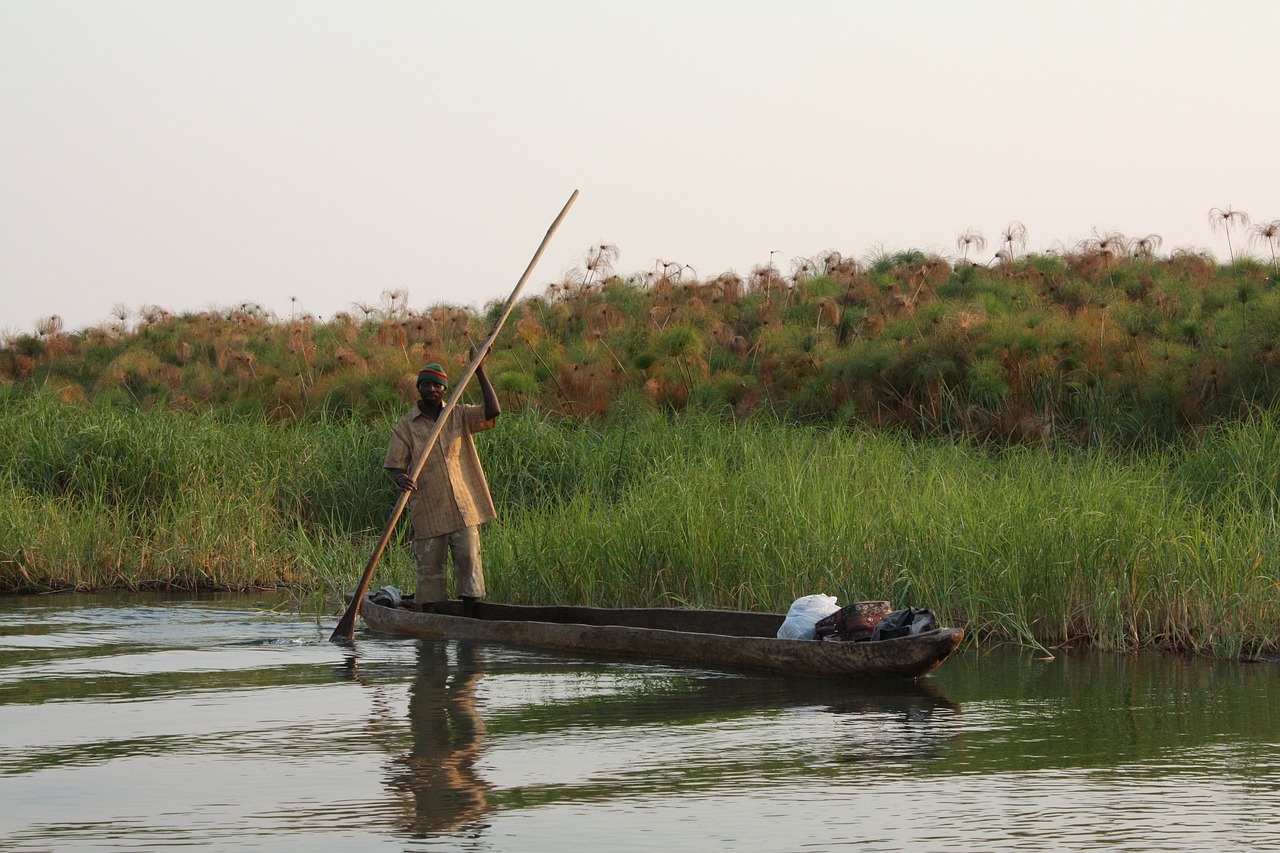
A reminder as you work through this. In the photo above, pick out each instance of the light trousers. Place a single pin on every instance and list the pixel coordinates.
(431, 556)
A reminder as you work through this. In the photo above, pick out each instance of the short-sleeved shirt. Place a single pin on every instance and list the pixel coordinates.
(452, 490)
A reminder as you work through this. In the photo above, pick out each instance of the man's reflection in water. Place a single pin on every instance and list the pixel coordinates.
(439, 772)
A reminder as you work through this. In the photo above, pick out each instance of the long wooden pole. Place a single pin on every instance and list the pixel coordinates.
(345, 632)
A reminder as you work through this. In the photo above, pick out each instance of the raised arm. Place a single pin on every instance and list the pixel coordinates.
(491, 407)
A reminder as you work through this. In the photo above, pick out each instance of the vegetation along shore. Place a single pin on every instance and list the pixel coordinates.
(1068, 448)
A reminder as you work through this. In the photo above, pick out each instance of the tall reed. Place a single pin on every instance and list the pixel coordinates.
(1171, 548)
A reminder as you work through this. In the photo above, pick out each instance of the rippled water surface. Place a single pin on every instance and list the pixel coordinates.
(144, 723)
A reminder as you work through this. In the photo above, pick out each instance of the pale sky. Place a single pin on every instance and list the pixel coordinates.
(311, 155)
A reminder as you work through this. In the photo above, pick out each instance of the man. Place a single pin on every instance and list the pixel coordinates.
(451, 495)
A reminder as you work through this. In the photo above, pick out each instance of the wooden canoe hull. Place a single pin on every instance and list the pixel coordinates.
(716, 637)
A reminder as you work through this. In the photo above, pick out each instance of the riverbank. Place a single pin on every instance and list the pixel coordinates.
(1043, 546)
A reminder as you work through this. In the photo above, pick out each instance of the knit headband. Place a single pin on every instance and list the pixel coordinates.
(435, 373)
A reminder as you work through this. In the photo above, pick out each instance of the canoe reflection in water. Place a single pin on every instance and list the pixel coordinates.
(607, 728)
(439, 773)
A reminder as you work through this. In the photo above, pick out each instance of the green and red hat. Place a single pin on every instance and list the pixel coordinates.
(433, 373)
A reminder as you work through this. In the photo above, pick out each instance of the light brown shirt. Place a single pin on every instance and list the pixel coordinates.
(452, 490)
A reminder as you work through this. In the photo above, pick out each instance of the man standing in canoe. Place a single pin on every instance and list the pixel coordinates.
(451, 495)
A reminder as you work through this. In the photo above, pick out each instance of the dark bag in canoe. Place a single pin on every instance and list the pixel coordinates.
(904, 623)
(388, 596)
(852, 622)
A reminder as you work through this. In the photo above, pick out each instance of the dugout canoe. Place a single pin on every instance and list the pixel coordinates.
(727, 638)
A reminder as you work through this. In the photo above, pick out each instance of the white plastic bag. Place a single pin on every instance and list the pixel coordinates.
(804, 614)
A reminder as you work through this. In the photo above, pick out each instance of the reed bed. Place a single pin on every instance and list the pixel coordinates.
(1171, 548)
(1100, 344)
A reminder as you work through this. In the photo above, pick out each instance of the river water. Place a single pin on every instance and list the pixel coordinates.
(229, 722)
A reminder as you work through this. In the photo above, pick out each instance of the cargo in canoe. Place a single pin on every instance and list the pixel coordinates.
(726, 638)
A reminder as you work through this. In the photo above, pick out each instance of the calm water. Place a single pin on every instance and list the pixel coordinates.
(147, 723)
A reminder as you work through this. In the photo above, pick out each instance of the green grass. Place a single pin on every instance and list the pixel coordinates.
(1172, 548)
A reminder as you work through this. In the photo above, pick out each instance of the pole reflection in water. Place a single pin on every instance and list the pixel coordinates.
(439, 773)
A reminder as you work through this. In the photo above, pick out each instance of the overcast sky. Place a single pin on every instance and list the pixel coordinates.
(308, 156)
